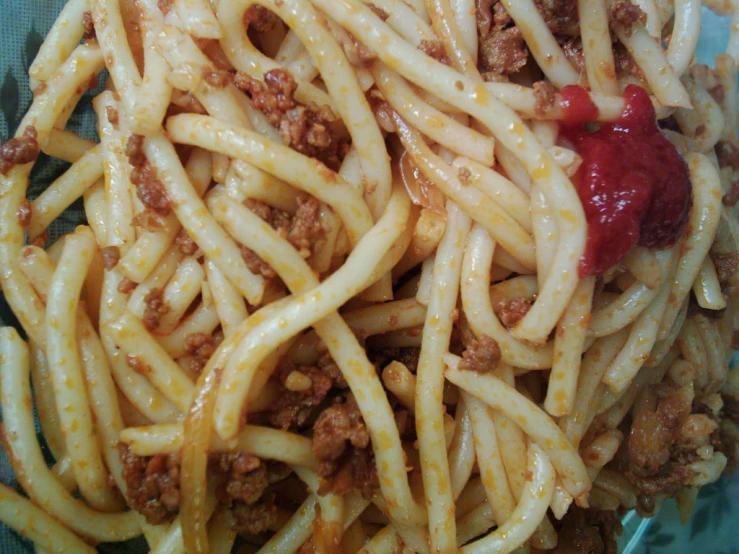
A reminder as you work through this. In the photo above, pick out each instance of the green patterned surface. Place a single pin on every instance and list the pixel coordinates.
(713, 526)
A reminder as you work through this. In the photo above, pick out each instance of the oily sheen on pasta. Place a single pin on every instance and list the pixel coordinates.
(375, 276)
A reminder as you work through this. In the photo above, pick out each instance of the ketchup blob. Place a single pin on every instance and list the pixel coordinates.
(633, 184)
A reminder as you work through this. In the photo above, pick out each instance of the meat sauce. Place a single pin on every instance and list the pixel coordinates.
(633, 184)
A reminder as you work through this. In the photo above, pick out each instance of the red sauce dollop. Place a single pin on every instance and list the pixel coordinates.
(633, 184)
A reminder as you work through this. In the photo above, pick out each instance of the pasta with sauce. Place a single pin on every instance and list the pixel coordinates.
(440, 276)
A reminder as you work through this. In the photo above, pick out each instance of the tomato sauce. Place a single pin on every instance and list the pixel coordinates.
(633, 184)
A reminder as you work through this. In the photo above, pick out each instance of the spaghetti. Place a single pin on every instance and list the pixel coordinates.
(360, 276)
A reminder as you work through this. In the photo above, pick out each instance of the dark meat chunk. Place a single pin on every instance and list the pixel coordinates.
(19, 151)
(294, 409)
(624, 15)
(503, 51)
(725, 264)
(572, 48)
(254, 518)
(126, 285)
(256, 264)
(165, 5)
(379, 12)
(304, 230)
(201, 347)
(153, 484)
(309, 129)
(341, 442)
(185, 244)
(89, 27)
(435, 49)
(407, 355)
(216, 78)
(25, 211)
(260, 18)
(732, 196)
(155, 308)
(560, 16)
(482, 356)
(544, 97)
(111, 255)
(510, 312)
(588, 531)
(657, 459)
(149, 189)
(113, 116)
(335, 426)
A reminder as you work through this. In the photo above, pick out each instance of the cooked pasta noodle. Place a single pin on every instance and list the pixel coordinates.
(361, 276)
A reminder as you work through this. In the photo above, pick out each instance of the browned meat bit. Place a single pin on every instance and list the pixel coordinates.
(135, 363)
(306, 229)
(624, 15)
(126, 285)
(256, 264)
(19, 151)
(560, 16)
(260, 18)
(510, 312)
(718, 93)
(482, 356)
(155, 308)
(24, 213)
(185, 244)
(89, 27)
(153, 484)
(728, 154)
(243, 491)
(112, 114)
(658, 455)
(294, 408)
(544, 97)
(572, 48)
(407, 355)
(435, 49)
(111, 255)
(341, 443)
(307, 129)
(201, 347)
(379, 12)
(216, 79)
(164, 6)
(588, 531)
(149, 189)
(503, 51)
(725, 264)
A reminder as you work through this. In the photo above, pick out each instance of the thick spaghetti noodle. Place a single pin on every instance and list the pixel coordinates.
(361, 276)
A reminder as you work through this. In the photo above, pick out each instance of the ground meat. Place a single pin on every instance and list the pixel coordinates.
(149, 189)
(254, 518)
(407, 355)
(435, 49)
(216, 78)
(112, 114)
(185, 244)
(341, 442)
(293, 409)
(256, 264)
(379, 12)
(153, 484)
(725, 264)
(503, 51)
(201, 347)
(24, 213)
(560, 16)
(482, 356)
(728, 154)
(155, 308)
(717, 93)
(303, 230)
(19, 151)
(510, 312)
(165, 5)
(111, 255)
(89, 27)
(260, 18)
(544, 97)
(305, 128)
(657, 459)
(623, 15)
(572, 48)
(126, 285)
(588, 531)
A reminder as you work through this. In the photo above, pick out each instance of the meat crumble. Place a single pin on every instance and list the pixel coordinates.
(155, 308)
(19, 151)
(153, 484)
(308, 129)
(25, 211)
(481, 356)
(149, 189)
(510, 312)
